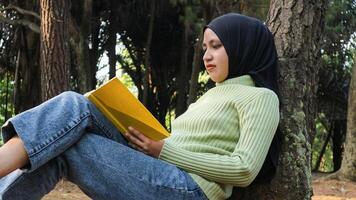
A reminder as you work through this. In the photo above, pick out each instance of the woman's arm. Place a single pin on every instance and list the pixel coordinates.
(242, 166)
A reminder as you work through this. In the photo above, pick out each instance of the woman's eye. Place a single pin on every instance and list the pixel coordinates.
(216, 46)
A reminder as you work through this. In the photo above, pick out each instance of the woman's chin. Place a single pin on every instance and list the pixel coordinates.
(215, 80)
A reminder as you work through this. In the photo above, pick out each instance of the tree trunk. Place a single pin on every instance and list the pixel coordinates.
(27, 92)
(147, 79)
(111, 43)
(339, 133)
(94, 52)
(323, 149)
(197, 61)
(79, 31)
(348, 166)
(183, 71)
(297, 26)
(197, 57)
(255, 8)
(54, 47)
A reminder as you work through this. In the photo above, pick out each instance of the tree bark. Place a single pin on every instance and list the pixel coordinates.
(147, 79)
(348, 166)
(79, 31)
(26, 71)
(297, 26)
(94, 51)
(197, 61)
(111, 43)
(27, 91)
(54, 47)
(339, 133)
(183, 71)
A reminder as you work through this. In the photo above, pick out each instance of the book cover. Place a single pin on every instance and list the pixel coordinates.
(123, 109)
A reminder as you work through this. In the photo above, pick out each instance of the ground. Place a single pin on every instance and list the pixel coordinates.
(323, 190)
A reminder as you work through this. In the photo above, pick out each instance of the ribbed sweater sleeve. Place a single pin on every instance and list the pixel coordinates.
(258, 122)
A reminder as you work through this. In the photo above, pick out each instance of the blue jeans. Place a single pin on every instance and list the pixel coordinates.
(68, 137)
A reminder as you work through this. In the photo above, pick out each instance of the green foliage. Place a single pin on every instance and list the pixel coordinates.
(6, 105)
(340, 21)
(203, 81)
(6, 91)
(340, 37)
(170, 116)
(326, 164)
(127, 81)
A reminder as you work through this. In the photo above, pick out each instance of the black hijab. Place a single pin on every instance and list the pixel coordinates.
(251, 51)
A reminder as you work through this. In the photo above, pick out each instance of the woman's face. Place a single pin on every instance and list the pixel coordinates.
(215, 57)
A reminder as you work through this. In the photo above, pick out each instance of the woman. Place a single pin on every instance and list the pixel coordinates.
(221, 141)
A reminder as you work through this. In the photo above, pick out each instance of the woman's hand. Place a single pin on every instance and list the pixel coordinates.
(144, 144)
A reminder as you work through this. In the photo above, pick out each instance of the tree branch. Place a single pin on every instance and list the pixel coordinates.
(34, 27)
(22, 11)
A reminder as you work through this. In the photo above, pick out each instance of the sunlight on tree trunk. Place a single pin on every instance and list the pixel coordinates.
(54, 47)
(348, 166)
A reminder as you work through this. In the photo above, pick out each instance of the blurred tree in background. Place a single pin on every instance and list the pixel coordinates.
(347, 170)
(334, 79)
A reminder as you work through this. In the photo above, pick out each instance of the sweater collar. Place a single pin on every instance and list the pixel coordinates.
(241, 80)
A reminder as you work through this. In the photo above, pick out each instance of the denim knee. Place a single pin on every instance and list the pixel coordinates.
(72, 99)
(72, 96)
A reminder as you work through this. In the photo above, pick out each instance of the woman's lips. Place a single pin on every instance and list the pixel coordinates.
(210, 67)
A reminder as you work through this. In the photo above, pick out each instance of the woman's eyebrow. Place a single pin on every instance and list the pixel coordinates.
(214, 41)
(211, 42)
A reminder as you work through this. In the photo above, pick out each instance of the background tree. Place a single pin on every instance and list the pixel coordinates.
(348, 167)
(83, 65)
(334, 79)
(20, 52)
(54, 57)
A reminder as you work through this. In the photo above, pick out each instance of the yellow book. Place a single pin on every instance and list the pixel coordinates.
(123, 109)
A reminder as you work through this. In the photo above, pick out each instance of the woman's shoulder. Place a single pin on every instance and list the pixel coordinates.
(259, 93)
(240, 94)
(265, 92)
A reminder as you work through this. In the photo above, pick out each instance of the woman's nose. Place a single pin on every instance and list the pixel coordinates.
(207, 56)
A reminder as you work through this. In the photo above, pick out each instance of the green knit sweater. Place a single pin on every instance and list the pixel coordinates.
(223, 138)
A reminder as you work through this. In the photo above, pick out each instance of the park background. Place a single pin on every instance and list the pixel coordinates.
(154, 46)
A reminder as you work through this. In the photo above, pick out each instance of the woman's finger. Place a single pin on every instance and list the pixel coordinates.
(133, 139)
(136, 147)
(138, 134)
(133, 145)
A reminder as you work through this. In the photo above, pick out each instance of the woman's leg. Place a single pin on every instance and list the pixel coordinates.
(105, 169)
(12, 156)
(21, 184)
(52, 127)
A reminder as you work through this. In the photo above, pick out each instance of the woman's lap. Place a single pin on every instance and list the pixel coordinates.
(100, 163)
(134, 175)
(105, 169)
